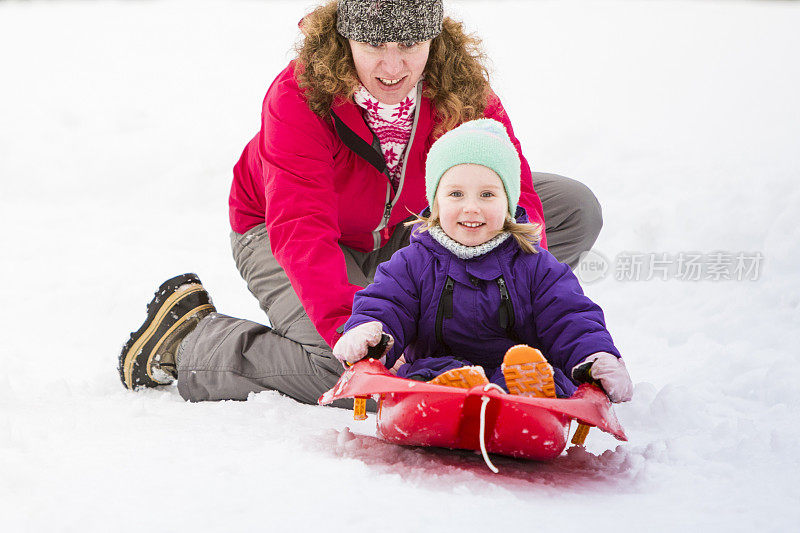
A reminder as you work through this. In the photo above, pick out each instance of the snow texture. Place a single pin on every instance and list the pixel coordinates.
(119, 125)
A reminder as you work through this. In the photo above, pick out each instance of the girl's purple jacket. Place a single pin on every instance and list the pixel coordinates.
(550, 311)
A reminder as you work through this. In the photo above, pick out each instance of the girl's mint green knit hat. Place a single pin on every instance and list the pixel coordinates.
(483, 142)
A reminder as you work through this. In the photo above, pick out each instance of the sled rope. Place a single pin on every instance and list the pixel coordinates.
(481, 439)
(484, 401)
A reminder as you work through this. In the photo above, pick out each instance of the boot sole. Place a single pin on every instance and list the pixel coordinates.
(463, 378)
(528, 373)
(136, 358)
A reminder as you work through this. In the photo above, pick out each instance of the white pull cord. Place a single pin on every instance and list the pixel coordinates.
(488, 462)
(484, 402)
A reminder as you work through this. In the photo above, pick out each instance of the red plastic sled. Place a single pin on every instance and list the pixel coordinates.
(482, 418)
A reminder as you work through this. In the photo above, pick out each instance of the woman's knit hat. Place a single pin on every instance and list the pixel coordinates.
(483, 142)
(389, 21)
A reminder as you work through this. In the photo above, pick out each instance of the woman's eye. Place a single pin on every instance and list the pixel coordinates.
(375, 45)
(409, 44)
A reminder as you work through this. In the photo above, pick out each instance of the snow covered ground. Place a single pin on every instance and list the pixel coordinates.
(119, 125)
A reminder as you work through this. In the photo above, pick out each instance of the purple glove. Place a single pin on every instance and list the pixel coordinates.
(610, 371)
(352, 346)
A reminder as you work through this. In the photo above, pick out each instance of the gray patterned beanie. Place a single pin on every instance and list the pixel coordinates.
(389, 21)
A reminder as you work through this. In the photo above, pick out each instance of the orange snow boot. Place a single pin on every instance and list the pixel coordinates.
(528, 373)
(465, 377)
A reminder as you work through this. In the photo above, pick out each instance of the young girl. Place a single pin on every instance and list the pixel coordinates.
(474, 283)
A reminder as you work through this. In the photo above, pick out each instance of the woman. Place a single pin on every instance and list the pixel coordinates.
(319, 196)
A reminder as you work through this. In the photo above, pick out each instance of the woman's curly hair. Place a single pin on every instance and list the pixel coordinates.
(456, 76)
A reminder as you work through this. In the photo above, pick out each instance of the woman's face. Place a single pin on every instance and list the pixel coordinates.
(472, 203)
(390, 70)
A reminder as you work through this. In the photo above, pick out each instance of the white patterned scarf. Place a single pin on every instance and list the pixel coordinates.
(462, 251)
(392, 124)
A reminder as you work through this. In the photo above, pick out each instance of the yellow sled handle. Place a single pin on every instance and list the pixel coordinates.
(580, 434)
(359, 409)
(373, 352)
(583, 374)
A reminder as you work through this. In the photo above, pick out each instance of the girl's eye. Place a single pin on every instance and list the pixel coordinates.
(456, 194)
(487, 194)
(375, 45)
(409, 44)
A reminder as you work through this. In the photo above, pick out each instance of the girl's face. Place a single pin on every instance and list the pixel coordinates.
(472, 203)
(390, 70)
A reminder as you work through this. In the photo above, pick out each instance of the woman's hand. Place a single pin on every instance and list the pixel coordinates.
(611, 374)
(353, 345)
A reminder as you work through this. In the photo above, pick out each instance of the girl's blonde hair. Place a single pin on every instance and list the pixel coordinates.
(456, 78)
(526, 234)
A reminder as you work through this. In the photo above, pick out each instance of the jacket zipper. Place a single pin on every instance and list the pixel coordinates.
(445, 310)
(387, 212)
(506, 311)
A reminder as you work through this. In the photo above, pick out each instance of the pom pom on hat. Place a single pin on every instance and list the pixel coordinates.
(484, 142)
